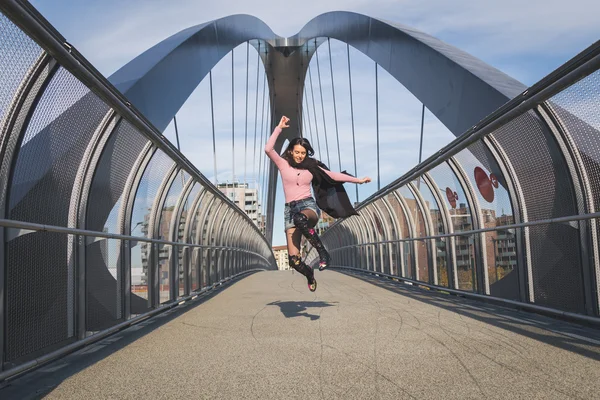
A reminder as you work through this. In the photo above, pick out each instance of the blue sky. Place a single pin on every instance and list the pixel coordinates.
(526, 40)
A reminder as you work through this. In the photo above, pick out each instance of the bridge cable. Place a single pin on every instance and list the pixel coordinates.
(308, 67)
(232, 123)
(269, 128)
(256, 114)
(322, 104)
(314, 113)
(246, 125)
(377, 123)
(352, 118)
(337, 133)
(266, 162)
(308, 117)
(212, 112)
(262, 121)
(258, 180)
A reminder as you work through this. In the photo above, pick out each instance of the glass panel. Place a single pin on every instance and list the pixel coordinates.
(164, 273)
(146, 193)
(489, 184)
(435, 214)
(185, 212)
(103, 298)
(417, 217)
(145, 196)
(140, 254)
(168, 208)
(502, 264)
(460, 215)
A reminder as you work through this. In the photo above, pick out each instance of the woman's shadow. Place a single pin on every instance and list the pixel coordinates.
(291, 309)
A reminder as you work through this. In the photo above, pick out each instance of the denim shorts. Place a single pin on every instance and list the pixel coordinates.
(304, 204)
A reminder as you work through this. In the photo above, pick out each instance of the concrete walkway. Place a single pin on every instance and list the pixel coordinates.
(267, 337)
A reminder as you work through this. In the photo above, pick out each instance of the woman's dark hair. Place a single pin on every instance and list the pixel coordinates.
(287, 154)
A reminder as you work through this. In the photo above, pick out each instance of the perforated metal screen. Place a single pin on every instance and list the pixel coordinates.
(544, 179)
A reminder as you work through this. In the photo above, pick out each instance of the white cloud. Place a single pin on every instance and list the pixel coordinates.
(113, 36)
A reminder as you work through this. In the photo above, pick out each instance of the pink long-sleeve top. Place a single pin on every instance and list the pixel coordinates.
(296, 182)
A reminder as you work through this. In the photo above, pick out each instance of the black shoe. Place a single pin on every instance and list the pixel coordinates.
(312, 286)
(324, 262)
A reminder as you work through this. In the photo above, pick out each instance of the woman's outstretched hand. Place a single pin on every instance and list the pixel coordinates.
(284, 122)
(366, 179)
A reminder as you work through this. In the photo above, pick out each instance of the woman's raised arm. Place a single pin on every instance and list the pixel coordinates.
(270, 146)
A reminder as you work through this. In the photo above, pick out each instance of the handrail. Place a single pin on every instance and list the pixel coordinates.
(492, 229)
(8, 223)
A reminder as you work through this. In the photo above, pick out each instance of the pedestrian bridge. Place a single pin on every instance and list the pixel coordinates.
(126, 272)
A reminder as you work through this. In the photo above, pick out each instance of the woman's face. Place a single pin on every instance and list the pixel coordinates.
(298, 153)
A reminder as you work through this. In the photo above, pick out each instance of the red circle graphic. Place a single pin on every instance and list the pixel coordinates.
(484, 184)
(451, 197)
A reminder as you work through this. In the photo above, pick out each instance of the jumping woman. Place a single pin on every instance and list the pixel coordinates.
(298, 170)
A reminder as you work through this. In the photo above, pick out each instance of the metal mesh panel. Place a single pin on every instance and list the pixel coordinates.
(46, 164)
(17, 54)
(55, 140)
(547, 190)
(103, 307)
(580, 115)
(37, 295)
(460, 214)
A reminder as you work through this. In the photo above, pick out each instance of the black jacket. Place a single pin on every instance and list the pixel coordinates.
(330, 194)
